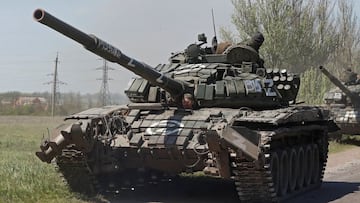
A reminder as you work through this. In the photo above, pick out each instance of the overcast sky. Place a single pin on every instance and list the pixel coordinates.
(145, 30)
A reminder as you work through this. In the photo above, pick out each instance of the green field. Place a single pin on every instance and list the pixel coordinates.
(24, 178)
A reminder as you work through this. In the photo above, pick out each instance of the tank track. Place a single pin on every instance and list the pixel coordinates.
(73, 166)
(258, 182)
(76, 173)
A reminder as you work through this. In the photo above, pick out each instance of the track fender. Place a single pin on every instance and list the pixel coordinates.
(243, 139)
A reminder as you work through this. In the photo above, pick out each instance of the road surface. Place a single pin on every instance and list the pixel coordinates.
(341, 180)
(341, 185)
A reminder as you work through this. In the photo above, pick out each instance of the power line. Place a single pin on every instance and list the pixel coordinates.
(104, 96)
(55, 93)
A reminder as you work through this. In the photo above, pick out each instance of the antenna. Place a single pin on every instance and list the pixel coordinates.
(214, 42)
(213, 21)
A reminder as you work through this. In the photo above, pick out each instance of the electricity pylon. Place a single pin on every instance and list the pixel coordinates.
(55, 94)
(104, 90)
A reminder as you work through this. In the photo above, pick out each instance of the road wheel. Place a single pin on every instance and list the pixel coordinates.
(302, 165)
(284, 172)
(293, 169)
(316, 166)
(309, 159)
(275, 171)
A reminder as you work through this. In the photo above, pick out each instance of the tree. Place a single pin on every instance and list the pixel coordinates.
(349, 37)
(300, 35)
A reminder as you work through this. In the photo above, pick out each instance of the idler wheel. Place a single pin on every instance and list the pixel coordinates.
(275, 170)
(309, 159)
(316, 169)
(302, 165)
(284, 172)
(293, 169)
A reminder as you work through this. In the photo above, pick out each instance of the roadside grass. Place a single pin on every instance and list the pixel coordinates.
(24, 178)
(335, 147)
(346, 142)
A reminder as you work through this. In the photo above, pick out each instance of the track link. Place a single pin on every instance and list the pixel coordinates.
(73, 166)
(253, 184)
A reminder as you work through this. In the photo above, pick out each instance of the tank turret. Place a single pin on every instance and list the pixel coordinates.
(234, 78)
(353, 96)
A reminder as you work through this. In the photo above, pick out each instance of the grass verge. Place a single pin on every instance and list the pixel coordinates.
(346, 142)
(24, 178)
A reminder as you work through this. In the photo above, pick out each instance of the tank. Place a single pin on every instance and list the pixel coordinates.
(222, 114)
(344, 103)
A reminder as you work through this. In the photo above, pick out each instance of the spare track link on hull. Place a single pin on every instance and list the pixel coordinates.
(73, 166)
(269, 182)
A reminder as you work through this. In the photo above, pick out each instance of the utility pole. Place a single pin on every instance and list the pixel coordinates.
(104, 90)
(55, 94)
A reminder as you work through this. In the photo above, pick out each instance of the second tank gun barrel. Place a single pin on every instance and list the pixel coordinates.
(111, 53)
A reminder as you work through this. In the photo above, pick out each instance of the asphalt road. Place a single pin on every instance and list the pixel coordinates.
(341, 185)
(341, 180)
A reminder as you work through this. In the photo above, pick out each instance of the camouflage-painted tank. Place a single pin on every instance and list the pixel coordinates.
(344, 102)
(220, 113)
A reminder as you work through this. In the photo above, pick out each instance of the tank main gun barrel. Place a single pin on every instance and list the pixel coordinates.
(355, 99)
(111, 53)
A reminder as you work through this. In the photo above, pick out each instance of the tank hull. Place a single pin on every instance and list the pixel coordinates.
(348, 120)
(256, 149)
(343, 102)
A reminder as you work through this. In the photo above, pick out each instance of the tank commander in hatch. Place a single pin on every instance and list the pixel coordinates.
(244, 51)
(256, 41)
(349, 77)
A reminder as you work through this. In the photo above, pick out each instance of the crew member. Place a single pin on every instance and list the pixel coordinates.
(349, 77)
(187, 101)
(256, 41)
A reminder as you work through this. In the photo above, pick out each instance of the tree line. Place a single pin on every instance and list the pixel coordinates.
(301, 35)
(68, 103)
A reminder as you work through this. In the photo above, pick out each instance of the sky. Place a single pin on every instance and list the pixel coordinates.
(148, 31)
